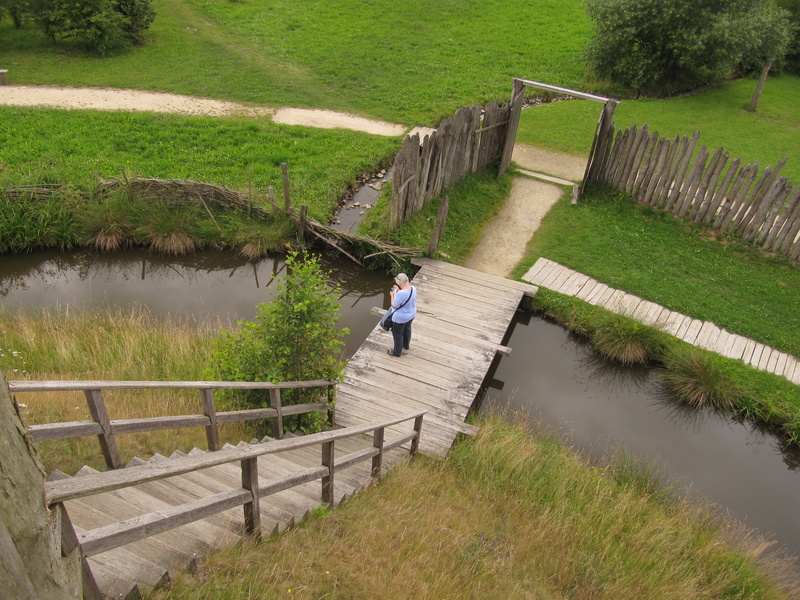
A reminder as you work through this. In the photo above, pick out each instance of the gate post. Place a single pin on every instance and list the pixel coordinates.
(517, 97)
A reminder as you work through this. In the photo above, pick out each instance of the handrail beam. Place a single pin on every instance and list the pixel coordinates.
(67, 386)
(78, 487)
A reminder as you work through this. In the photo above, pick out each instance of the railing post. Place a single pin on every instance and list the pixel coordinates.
(252, 508)
(275, 403)
(210, 410)
(97, 409)
(69, 543)
(377, 460)
(327, 480)
(418, 430)
(331, 404)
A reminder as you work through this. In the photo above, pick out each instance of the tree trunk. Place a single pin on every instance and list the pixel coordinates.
(761, 81)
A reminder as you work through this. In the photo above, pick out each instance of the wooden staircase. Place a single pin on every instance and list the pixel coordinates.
(126, 571)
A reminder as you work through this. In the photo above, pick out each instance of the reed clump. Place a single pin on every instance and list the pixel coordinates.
(512, 513)
(690, 375)
(171, 217)
(700, 379)
(624, 339)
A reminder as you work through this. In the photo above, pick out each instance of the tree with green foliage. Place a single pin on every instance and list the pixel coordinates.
(661, 47)
(293, 338)
(102, 26)
(16, 9)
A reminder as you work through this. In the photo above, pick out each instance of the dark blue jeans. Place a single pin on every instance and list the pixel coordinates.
(402, 336)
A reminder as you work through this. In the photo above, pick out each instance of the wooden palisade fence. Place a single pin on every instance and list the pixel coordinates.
(465, 143)
(659, 172)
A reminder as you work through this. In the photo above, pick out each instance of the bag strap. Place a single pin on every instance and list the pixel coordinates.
(413, 290)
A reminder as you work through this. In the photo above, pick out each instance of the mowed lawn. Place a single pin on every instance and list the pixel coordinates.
(411, 62)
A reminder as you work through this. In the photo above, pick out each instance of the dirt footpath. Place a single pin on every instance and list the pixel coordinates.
(134, 100)
(506, 237)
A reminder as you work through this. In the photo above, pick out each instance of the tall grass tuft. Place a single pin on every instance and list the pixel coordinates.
(624, 339)
(700, 379)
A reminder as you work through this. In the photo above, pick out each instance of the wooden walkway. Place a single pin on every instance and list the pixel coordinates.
(704, 334)
(462, 318)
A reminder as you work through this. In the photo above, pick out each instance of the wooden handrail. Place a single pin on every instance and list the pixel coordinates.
(124, 532)
(107, 481)
(80, 385)
(105, 429)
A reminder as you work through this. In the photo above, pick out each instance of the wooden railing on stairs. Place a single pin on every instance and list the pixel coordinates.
(248, 495)
(106, 429)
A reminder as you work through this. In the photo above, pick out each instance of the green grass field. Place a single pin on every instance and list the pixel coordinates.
(412, 62)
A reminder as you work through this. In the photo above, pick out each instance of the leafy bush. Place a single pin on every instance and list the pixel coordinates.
(102, 26)
(663, 46)
(294, 338)
(139, 15)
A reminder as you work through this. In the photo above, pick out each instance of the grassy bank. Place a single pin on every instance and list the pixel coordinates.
(509, 514)
(68, 151)
(473, 202)
(684, 268)
(678, 265)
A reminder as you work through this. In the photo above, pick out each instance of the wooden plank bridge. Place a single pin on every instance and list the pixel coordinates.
(462, 318)
(135, 525)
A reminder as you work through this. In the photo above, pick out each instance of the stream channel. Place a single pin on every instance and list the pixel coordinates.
(551, 375)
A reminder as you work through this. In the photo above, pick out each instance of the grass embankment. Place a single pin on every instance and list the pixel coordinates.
(113, 345)
(650, 254)
(66, 149)
(473, 202)
(508, 514)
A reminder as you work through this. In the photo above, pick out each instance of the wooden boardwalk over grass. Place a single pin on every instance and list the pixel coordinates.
(462, 318)
(704, 334)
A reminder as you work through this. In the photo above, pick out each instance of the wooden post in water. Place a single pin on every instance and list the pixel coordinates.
(438, 230)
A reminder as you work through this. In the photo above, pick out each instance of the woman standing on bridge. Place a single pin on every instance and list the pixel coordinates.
(404, 303)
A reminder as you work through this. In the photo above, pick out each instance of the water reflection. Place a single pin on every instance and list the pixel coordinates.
(209, 286)
(556, 378)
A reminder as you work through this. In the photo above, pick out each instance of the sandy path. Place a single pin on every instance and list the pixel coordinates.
(506, 237)
(134, 100)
